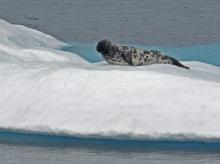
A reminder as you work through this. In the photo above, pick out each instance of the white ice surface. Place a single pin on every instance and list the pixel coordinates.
(45, 90)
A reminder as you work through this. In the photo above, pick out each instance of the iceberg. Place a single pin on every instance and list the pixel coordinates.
(44, 89)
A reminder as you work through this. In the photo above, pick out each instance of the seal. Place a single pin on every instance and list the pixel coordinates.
(125, 55)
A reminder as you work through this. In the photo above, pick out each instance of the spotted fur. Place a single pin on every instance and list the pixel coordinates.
(125, 55)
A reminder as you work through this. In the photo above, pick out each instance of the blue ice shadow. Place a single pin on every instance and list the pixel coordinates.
(209, 53)
(19, 138)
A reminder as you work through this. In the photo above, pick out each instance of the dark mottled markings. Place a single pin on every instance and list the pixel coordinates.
(124, 55)
(146, 52)
(165, 57)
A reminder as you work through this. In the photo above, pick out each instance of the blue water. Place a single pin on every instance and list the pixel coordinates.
(145, 22)
(209, 53)
(35, 148)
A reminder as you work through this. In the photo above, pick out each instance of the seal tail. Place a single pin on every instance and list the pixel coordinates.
(177, 63)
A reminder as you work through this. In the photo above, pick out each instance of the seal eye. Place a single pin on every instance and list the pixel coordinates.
(103, 45)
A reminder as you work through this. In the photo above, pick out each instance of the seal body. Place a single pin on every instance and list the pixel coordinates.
(125, 55)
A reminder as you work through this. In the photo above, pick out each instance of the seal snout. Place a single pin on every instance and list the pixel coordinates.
(103, 45)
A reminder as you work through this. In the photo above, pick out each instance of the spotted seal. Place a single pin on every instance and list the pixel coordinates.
(125, 55)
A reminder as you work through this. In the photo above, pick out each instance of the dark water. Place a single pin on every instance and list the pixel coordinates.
(21, 154)
(146, 22)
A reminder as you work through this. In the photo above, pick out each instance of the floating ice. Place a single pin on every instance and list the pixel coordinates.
(45, 90)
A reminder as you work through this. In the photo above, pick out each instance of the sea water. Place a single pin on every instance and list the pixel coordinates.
(39, 149)
(146, 22)
(160, 23)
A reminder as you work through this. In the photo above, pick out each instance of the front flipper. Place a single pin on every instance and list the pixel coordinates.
(127, 58)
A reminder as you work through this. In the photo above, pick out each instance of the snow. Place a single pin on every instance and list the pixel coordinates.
(21, 44)
(46, 90)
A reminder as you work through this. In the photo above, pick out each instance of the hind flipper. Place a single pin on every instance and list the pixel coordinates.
(177, 63)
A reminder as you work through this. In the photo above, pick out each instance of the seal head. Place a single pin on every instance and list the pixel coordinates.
(103, 46)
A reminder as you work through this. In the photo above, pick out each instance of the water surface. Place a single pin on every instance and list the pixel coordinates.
(147, 22)
(36, 149)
